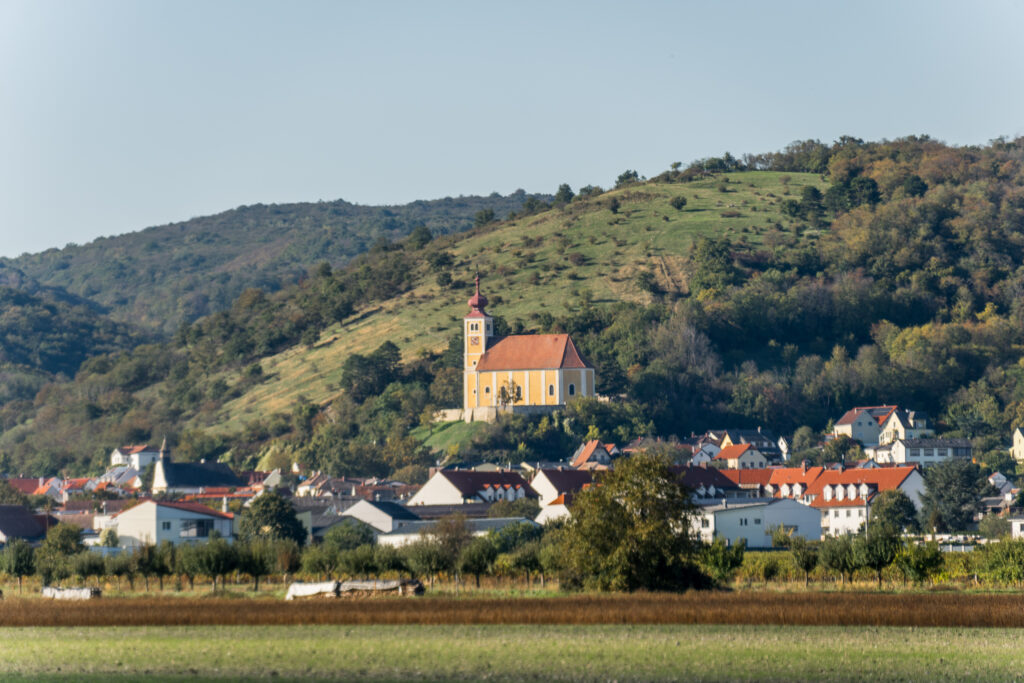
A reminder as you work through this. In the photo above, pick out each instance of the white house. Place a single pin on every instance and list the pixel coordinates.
(1017, 449)
(741, 457)
(705, 454)
(905, 424)
(843, 498)
(153, 522)
(555, 510)
(459, 487)
(552, 483)
(384, 517)
(136, 457)
(754, 520)
(922, 452)
(414, 531)
(594, 455)
(864, 423)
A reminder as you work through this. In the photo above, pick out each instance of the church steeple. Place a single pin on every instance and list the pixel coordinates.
(478, 301)
(477, 327)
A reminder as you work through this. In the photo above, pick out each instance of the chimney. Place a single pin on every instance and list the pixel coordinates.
(725, 502)
(804, 466)
(224, 505)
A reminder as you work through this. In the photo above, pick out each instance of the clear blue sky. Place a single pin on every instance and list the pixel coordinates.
(118, 115)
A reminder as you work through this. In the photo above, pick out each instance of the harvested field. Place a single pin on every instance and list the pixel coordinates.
(953, 609)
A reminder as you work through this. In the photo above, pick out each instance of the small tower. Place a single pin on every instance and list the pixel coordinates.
(478, 328)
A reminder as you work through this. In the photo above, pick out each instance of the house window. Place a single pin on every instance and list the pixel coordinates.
(551, 390)
(860, 513)
(487, 390)
(757, 522)
(165, 526)
(572, 389)
(196, 528)
(847, 513)
(705, 523)
(835, 513)
(743, 521)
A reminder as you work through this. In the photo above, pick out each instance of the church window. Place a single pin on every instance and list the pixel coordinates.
(474, 326)
(572, 389)
(551, 390)
(519, 393)
(487, 390)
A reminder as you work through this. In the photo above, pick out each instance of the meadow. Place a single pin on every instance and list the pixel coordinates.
(510, 652)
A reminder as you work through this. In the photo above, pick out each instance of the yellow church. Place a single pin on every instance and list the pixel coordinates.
(520, 373)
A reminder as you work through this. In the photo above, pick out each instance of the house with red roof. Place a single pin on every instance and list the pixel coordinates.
(460, 487)
(863, 423)
(844, 496)
(594, 455)
(742, 456)
(555, 510)
(551, 483)
(152, 522)
(520, 373)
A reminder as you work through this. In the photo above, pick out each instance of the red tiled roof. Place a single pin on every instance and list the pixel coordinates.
(794, 475)
(188, 507)
(733, 452)
(26, 485)
(469, 482)
(588, 450)
(749, 477)
(531, 352)
(844, 503)
(695, 477)
(130, 450)
(883, 478)
(879, 413)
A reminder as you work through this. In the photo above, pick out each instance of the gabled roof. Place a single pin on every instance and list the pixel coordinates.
(734, 451)
(394, 510)
(26, 485)
(197, 508)
(469, 483)
(199, 474)
(584, 452)
(131, 450)
(879, 413)
(695, 477)
(19, 522)
(531, 352)
(754, 477)
(567, 480)
(883, 478)
(794, 475)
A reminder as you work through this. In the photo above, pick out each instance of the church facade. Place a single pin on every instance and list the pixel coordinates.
(523, 373)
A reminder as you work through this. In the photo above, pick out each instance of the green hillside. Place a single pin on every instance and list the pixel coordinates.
(163, 276)
(544, 264)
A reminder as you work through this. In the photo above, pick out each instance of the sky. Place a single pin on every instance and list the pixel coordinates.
(119, 115)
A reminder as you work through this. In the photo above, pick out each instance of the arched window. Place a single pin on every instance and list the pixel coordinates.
(551, 390)
(487, 390)
(519, 393)
(572, 389)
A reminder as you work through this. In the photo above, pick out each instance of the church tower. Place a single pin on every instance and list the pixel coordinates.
(478, 328)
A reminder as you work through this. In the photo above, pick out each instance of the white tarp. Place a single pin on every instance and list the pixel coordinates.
(308, 590)
(71, 593)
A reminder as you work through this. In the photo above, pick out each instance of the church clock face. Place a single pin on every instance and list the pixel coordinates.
(474, 341)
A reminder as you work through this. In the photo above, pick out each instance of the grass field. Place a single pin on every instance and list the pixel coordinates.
(623, 653)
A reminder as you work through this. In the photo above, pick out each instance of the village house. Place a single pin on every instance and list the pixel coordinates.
(791, 482)
(863, 424)
(384, 517)
(754, 520)
(153, 522)
(552, 483)
(414, 531)
(708, 484)
(704, 454)
(752, 482)
(523, 373)
(905, 424)
(763, 440)
(556, 509)
(741, 457)
(843, 497)
(457, 487)
(593, 455)
(136, 457)
(19, 522)
(922, 452)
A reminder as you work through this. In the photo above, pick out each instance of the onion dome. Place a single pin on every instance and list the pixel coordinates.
(478, 300)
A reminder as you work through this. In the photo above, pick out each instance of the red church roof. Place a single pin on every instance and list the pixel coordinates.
(532, 352)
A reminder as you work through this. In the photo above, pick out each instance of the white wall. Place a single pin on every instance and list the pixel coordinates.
(437, 491)
(144, 524)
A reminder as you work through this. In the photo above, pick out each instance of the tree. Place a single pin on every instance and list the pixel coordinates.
(477, 556)
(188, 562)
(452, 535)
(108, 538)
(564, 194)
(510, 393)
(836, 554)
(217, 559)
(894, 508)
(270, 516)
(388, 558)
(88, 564)
(121, 565)
(425, 557)
(994, 527)
(805, 555)
(11, 496)
(876, 548)
(952, 494)
(320, 560)
(348, 534)
(287, 557)
(420, 237)
(627, 178)
(18, 559)
(614, 205)
(520, 507)
(678, 202)
(359, 561)
(483, 217)
(53, 558)
(256, 559)
(918, 562)
(632, 531)
(720, 560)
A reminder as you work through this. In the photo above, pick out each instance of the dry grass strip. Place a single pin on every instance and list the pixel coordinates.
(809, 609)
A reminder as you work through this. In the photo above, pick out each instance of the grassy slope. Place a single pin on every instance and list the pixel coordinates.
(646, 234)
(511, 653)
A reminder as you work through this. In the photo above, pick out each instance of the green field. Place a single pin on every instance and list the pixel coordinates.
(510, 653)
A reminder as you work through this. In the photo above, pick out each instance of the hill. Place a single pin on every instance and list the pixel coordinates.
(775, 290)
(163, 276)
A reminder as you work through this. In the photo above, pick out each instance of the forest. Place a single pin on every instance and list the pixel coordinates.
(897, 278)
